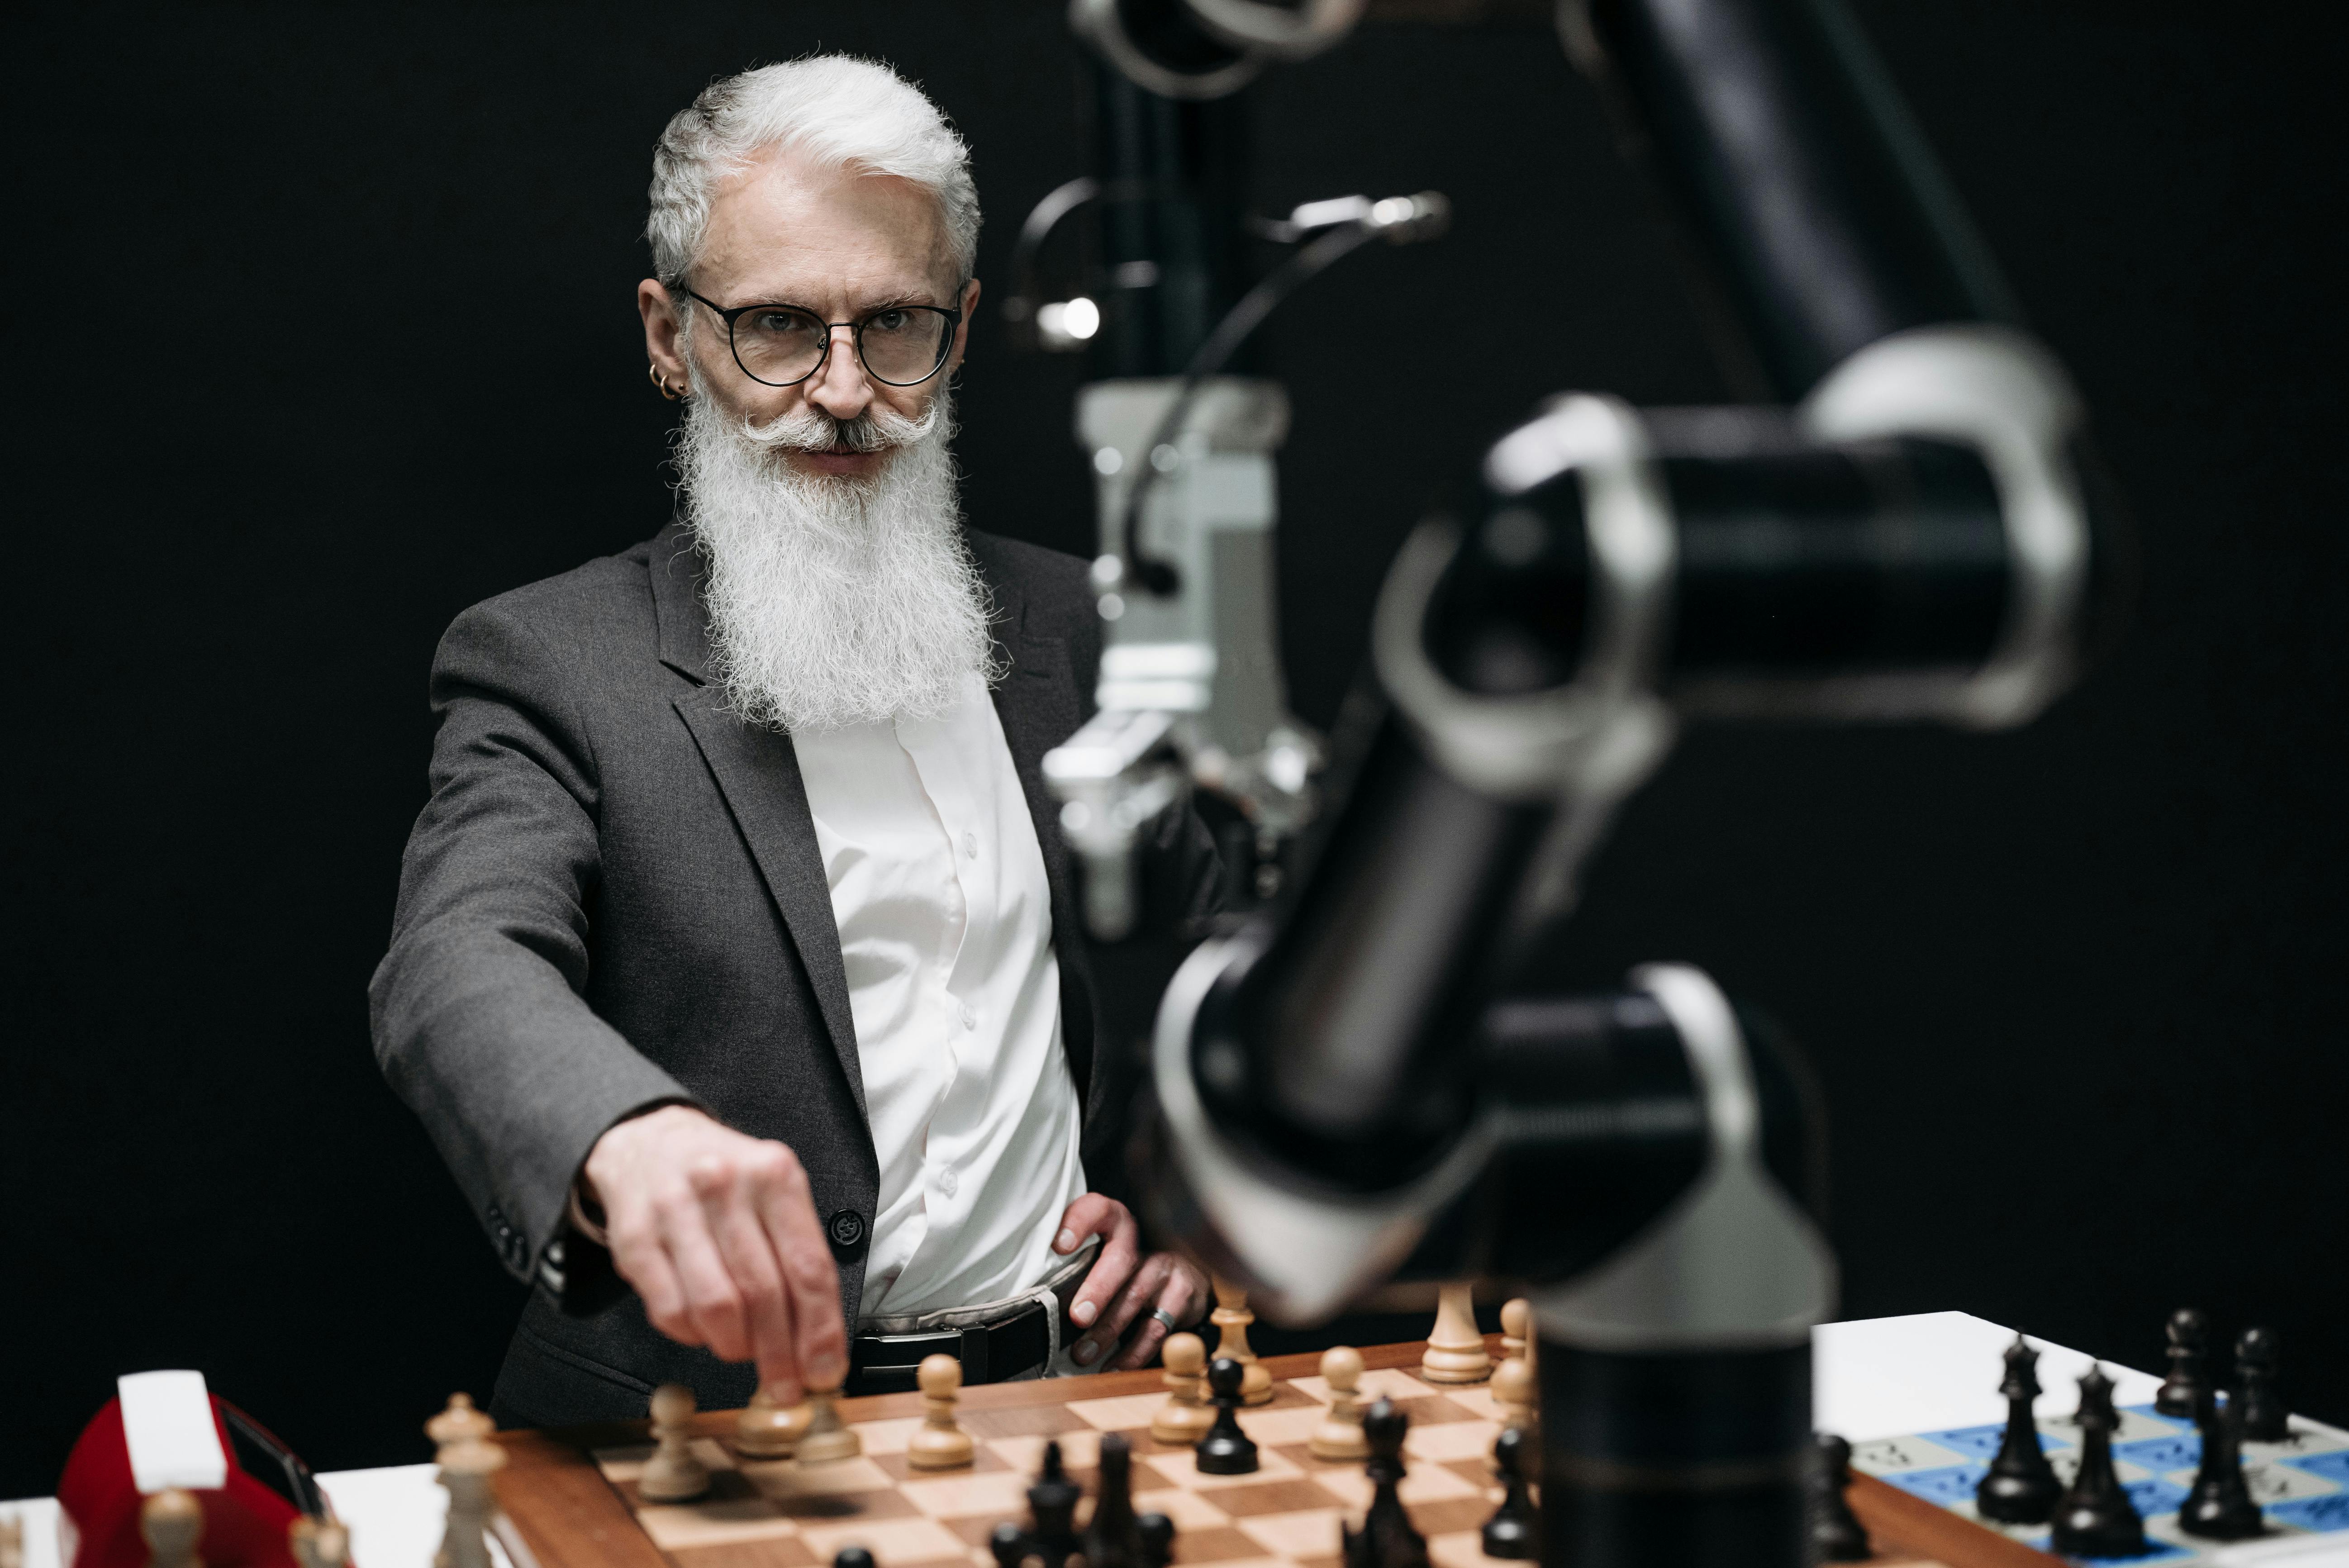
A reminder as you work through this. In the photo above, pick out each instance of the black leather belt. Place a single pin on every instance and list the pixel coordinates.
(993, 1353)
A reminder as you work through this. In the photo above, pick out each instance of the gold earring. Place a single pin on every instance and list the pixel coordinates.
(671, 392)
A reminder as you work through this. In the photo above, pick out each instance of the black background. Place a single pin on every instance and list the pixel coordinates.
(322, 330)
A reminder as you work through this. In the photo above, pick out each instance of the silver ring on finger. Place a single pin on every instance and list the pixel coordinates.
(1167, 1318)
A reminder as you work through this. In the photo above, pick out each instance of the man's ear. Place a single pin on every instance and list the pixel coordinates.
(661, 345)
(962, 328)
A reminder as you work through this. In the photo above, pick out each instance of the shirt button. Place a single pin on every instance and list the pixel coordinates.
(947, 1182)
(970, 845)
(969, 1016)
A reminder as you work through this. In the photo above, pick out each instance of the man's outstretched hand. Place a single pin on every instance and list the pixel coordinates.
(718, 1234)
(1125, 1284)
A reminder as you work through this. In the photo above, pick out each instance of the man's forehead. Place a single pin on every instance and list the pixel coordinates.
(787, 227)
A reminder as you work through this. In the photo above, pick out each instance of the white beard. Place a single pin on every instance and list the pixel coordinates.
(835, 601)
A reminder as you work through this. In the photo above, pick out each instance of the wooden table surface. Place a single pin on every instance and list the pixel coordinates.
(570, 1517)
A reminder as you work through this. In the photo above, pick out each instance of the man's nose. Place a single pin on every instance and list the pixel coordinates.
(840, 387)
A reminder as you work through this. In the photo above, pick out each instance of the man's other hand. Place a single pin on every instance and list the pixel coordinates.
(718, 1234)
(1125, 1284)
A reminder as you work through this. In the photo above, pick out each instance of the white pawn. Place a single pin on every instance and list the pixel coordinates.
(826, 1437)
(672, 1474)
(1455, 1349)
(1231, 1318)
(768, 1431)
(937, 1443)
(466, 1467)
(1339, 1435)
(1184, 1418)
(172, 1522)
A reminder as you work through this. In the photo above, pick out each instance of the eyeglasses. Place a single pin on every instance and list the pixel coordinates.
(782, 345)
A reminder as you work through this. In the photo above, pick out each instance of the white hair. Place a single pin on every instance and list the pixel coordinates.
(847, 112)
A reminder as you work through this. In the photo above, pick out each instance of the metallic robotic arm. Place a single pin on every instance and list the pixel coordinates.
(1359, 1082)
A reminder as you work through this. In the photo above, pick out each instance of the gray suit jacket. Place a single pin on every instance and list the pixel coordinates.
(615, 898)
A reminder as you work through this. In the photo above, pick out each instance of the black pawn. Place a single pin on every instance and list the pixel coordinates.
(1112, 1537)
(1052, 1509)
(2021, 1488)
(2094, 1517)
(1386, 1539)
(1835, 1533)
(1011, 1545)
(1225, 1449)
(2219, 1508)
(1157, 1533)
(852, 1557)
(1515, 1530)
(2183, 1390)
(2265, 1418)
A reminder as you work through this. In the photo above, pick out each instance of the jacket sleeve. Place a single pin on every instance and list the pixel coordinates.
(478, 1010)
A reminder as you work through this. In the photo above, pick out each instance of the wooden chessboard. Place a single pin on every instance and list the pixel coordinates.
(571, 1494)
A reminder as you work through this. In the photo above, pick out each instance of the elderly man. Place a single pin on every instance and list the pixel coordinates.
(735, 958)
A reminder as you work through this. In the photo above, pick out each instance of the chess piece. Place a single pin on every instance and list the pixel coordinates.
(1339, 1435)
(2265, 1418)
(1837, 1535)
(2094, 1517)
(1515, 1530)
(466, 1467)
(768, 1429)
(1517, 1328)
(826, 1438)
(2219, 1506)
(1011, 1547)
(172, 1522)
(1052, 1511)
(672, 1474)
(1455, 1350)
(1231, 1318)
(1386, 1539)
(939, 1444)
(1225, 1449)
(459, 1423)
(1157, 1534)
(1112, 1537)
(2182, 1391)
(1514, 1393)
(2021, 1488)
(852, 1557)
(1184, 1419)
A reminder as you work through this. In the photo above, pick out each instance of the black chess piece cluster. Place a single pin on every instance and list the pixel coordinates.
(1115, 1537)
(2021, 1488)
(1836, 1534)
(1386, 1539)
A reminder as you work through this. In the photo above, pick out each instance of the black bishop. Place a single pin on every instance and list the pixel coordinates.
(2021, 1488)
(2094, 1517)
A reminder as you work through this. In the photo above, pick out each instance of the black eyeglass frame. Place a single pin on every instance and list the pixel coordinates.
(855, 329)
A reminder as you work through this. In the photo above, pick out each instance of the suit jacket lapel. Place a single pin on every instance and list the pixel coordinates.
(758, 773)
(1040, 706)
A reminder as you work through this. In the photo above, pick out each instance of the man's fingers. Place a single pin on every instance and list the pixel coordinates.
(1143, 1286)
(787, 1212)
(712, 1304)
(638, 1257)
(1179, 1299)
(1110, 1270)
(750, 1258)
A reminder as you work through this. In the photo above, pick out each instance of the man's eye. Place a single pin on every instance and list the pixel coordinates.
(779, 322)
(891, 321)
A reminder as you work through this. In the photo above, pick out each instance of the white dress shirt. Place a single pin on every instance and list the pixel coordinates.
(946, 925)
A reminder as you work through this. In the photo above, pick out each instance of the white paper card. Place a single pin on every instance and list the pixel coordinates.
(167, 1418)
